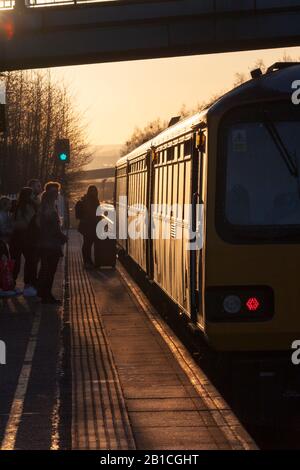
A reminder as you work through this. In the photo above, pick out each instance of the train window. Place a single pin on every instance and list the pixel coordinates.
(261, 190)
(170, 154)
(258, 194)
(187, 148)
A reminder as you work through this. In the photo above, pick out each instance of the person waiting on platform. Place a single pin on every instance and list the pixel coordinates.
(24, 241)
(7, 282)
(53, 186)
(6, 225)
(85, 210)
(36, 187)
(51, 241)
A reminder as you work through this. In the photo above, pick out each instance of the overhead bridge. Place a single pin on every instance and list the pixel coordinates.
(43, 34)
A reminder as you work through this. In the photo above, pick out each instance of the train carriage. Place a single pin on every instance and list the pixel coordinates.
(240, 159)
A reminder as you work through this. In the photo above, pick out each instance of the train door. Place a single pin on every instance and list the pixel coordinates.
(121, 195)
(150, 198)
(197, 226)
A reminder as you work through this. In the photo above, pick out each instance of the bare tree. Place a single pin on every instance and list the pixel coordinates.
(139, 136)
(39, 110)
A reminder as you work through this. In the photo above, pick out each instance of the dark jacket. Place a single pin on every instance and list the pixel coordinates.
(88, 220)
(25, 227)
(51, 236)
(6, 226)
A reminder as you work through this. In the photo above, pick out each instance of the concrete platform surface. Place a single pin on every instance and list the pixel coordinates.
(127, 364)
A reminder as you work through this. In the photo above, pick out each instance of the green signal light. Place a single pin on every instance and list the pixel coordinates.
(62, 151)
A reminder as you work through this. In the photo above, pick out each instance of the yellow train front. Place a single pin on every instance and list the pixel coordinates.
(240, 161)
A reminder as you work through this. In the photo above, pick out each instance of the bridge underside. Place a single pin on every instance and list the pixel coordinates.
(124, 30)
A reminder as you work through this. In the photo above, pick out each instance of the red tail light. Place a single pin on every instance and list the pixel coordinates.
(253, 304)
(239, 303)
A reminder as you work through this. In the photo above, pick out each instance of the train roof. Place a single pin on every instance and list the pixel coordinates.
(275, 83)
(172, 132)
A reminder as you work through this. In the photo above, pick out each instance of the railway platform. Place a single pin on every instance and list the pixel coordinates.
(105, 372)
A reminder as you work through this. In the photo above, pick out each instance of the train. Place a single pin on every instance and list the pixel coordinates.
(239, 161)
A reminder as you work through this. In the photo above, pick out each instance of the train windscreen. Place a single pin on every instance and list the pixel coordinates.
(262, 173)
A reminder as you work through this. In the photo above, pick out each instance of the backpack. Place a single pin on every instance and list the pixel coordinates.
(79, 210)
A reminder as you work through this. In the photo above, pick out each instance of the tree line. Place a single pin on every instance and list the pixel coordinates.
(153, 128)
(38, 111)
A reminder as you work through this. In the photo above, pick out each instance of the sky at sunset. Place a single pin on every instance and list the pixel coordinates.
(116, 97)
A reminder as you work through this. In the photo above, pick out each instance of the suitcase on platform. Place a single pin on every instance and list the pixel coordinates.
(105, 253)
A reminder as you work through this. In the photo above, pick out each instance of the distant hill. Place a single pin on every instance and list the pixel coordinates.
(104, 156)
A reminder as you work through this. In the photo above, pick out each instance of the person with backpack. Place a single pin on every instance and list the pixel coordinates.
(85, 211)
(51, 241)
(24, 241)
(7, 282)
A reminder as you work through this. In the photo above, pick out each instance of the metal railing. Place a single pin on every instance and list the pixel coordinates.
(6, 4)
(10, 4)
